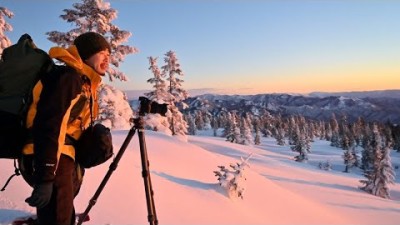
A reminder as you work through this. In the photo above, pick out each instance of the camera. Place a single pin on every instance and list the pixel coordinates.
(148, 106)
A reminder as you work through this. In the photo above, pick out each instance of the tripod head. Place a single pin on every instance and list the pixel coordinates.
(148, 106)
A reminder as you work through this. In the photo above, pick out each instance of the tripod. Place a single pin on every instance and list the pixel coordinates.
(151, 209)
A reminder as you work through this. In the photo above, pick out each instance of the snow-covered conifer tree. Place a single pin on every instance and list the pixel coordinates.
(233, 134)
(233, 179)
(179, 125)
(301, 145)
(350, 159)
(191, 124)
(171, 70)
(228, 123)
(257, 131)
(367, 157)
(200, 124)
(160, 93)
(177, 94)
(207, 120)
(335, 132)
(96, 15)
(266, 123)
(346, 141)
(382, 173)
(357, 129)
(114, 109)
(214, 124)
(321, 127)
(385, 175)
(374, 146)
(280, 135)
(396, 137)
(5, 27)
(292, 132)
(246, 137)
(328, 132)
(257, 138)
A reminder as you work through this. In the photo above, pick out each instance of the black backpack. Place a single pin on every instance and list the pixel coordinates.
(21, 67)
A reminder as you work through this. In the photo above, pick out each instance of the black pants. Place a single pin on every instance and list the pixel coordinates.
(60, 210)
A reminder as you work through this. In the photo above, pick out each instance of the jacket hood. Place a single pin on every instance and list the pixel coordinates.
(70, 56)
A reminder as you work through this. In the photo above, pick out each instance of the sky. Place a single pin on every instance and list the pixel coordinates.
(247, 47)
(277, 190)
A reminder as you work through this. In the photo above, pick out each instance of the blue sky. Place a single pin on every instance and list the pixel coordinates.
(247, 46)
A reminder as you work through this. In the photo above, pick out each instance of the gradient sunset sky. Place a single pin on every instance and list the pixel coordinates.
(251, 46)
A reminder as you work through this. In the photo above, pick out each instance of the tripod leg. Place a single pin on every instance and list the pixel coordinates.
(113, 167)
(152, 216)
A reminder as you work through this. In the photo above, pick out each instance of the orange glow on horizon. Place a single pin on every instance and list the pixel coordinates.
(304, 84)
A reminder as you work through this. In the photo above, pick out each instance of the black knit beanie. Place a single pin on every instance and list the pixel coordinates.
(90, 43)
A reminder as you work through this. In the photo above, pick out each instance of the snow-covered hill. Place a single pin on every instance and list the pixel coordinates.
(278, 190)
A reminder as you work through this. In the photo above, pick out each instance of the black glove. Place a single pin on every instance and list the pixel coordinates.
(41, 195)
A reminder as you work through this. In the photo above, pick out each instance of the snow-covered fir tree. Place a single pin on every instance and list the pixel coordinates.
(179, 125)
(335, 132)
(114, 109)
(347, 140)
(382, 173)
(246, 137)
(350, 159)
(199, 120)
(322, 130)
(159, 93)
(396, 137)
(280, 135)
(257, 138)
(328, 132)
(171, 70)
(191, 124)
(5, 27)
(387, 135)
(207, 120)
(232, 128)
(367, 155)
(266, 122)
(292, 132)
(357, 130)
(301, 145)
(96, 15)
(232, 179)
(226, 123)
(214, 124)
(257, 130)
(385, 175)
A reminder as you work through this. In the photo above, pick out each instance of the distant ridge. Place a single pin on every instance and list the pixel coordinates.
(360, 94)
(134, 94)
(371, 105)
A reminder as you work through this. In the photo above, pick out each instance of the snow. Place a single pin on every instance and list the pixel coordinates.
(278, 190)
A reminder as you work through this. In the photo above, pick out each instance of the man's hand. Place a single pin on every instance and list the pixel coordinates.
(41, 195)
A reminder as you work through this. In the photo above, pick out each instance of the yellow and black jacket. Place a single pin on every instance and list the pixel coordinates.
(60, 109)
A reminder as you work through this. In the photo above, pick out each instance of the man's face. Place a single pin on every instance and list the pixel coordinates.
(99, 61)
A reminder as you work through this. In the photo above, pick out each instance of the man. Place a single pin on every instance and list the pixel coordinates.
(64, 104)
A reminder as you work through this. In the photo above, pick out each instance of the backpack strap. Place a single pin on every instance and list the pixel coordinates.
(16, 173)
(87, 80)
(90, 108)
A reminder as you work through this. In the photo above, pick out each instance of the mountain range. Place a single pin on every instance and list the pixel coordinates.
(381, 106)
